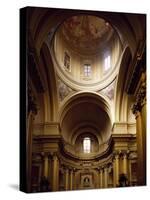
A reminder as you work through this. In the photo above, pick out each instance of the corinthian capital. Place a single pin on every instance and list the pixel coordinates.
(136, 108)
(140, 99)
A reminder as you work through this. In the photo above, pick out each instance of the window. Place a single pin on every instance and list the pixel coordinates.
(87, 70)
(86, 145)
(107, 62)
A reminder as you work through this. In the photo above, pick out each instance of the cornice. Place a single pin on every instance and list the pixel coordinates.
(41, 139)
(94, 156)
(123, 137)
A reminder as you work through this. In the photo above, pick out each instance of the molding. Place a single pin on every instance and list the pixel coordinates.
(123, 136)
(75, 85)
(122, 128)
(90, 157)
(47, 128)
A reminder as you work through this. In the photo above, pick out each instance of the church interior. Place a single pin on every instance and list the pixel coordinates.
(86, 99)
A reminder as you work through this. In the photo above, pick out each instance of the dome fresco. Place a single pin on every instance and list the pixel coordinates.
(86, 32)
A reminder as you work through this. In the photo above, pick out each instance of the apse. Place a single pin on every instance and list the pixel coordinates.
(86, 117)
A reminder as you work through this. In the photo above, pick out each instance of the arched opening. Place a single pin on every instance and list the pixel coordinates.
(87, 145)
(86, 125)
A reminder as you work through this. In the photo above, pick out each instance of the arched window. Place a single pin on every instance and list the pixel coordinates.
(107, 62)
(87, 70)
(86, 145)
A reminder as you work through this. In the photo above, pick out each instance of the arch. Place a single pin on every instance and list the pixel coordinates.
(86, 127)
(99, 100)
(50, 97)
(94, 143)
(120, 95)
(89, 108)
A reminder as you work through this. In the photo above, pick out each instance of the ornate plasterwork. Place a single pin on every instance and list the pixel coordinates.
(31, 103)
(63, 90)
(109, 91)
(140, 98)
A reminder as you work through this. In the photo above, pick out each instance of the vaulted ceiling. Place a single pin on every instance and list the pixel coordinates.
(86, 33)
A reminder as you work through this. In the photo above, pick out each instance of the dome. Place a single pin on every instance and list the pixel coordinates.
(87, 51)
(86, 34)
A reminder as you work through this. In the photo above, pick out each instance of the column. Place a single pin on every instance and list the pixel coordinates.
(71, 179)
(125, 166)
(66, 179)
(130, 175)
(105, 177)
(101, 177)
(116, 170)
(55, 183)
(143, 116)
(140, 153)
(46, 165)
(29, 150)
(139, 110)
(32, 112)
(74, 179)
(114, 173)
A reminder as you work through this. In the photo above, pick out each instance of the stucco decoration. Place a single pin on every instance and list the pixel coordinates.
(63, 90)
(109, 91)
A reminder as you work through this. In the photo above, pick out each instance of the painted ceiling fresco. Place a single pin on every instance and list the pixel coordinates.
(86, 32)
(109, 90)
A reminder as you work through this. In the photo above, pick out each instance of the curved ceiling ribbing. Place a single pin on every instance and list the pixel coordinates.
(50, 21)
(85, 109)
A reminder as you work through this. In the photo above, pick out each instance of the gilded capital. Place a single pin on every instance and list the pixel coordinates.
(116, 155)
